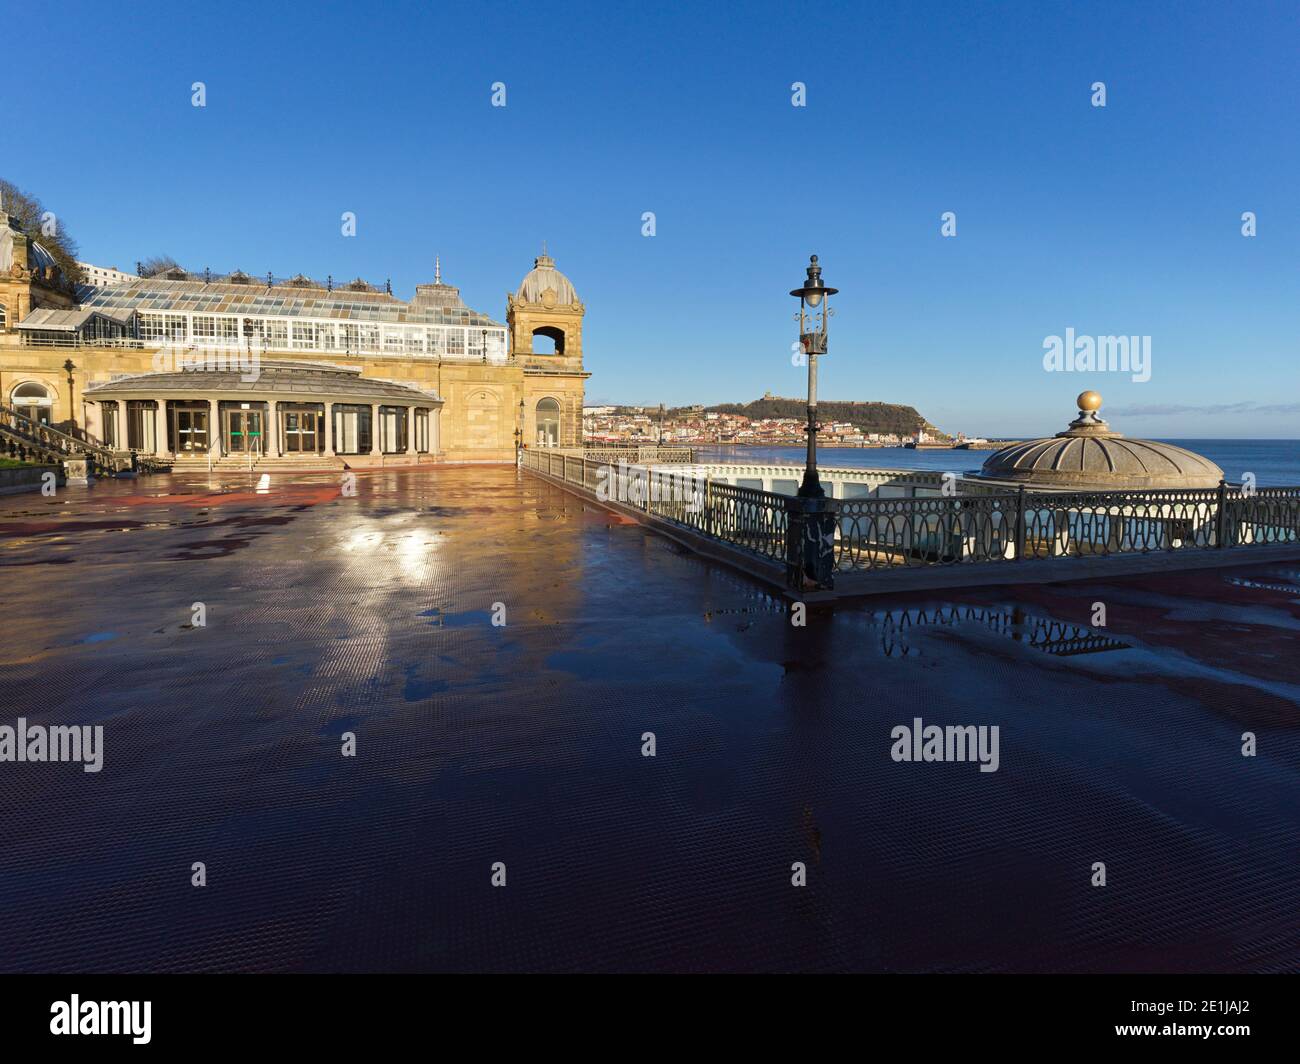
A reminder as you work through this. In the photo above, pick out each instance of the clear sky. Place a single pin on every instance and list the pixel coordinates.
(1117, 220)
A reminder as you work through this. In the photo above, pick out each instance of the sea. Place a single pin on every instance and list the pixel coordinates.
(1275, 463)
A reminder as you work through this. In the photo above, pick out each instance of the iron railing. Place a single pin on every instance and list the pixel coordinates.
(888, 533)
(633, 453)
(265, 280)
(279, 348)
(885, 533)
(75, 340)
(745, 518)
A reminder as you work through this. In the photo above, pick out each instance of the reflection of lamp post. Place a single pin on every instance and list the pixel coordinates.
(810, 542)
(69, 366)
(519, 434)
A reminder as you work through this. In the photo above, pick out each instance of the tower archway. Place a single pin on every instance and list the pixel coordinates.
(548, 340)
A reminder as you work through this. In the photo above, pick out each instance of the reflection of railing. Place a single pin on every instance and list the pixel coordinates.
(884, 533)
(1041, 633)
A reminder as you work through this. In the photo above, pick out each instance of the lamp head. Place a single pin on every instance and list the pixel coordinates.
(813, 290)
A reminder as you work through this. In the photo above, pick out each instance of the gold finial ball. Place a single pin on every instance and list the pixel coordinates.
(1089, 401)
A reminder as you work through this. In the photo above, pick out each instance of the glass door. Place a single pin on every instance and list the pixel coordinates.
(190, 428)
(244, 432)
(302, 431)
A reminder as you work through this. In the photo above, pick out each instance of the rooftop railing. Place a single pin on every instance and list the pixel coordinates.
(265, 280)
(282, 349)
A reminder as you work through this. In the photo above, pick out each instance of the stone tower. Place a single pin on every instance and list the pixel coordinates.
(544, 319)
(545, 305)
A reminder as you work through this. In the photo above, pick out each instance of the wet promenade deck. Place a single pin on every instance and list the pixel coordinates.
(522, 744)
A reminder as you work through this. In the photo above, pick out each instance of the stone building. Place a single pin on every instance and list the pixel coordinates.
(194, 367)
(29, 276)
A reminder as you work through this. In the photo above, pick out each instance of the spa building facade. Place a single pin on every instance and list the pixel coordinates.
(200, 367)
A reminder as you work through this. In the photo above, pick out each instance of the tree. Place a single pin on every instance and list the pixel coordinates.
(152, 267)
(43, 226)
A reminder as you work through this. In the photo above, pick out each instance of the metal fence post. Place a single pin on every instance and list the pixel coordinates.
(1221, 519)
(1020, 524)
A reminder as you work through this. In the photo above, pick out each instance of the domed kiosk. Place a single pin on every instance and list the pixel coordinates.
(1090, 456)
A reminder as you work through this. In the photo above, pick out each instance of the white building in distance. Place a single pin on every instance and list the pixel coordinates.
(104, 276)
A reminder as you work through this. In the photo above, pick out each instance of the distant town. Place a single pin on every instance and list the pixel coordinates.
(770, 421)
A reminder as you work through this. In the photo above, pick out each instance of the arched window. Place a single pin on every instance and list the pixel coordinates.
(33, 401)
(548, 340)
(548, 423)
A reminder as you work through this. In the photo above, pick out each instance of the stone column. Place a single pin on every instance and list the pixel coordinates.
(214, 428)
(329, 431)
(374, 432)
(271, 430)
(160, 427)
(408, 413)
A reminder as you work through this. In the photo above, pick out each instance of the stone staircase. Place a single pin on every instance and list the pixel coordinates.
(242, 463)
(197, 462)
(26, 440)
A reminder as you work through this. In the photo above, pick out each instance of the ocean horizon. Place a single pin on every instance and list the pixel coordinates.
(1275, 463)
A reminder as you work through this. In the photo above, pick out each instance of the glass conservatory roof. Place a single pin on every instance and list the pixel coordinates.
(155, 295)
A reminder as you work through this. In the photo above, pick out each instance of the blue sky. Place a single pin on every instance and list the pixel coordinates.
(1117, 220)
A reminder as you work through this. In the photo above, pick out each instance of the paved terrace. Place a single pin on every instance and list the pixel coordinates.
(522, 744)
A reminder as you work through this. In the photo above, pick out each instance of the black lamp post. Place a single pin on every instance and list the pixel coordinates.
(68, 367)
(660, 441)
(810, 542)
(814, 315)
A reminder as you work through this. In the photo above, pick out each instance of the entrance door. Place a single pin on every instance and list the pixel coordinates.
(302, 431)
(244, 432)
(191, 428)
